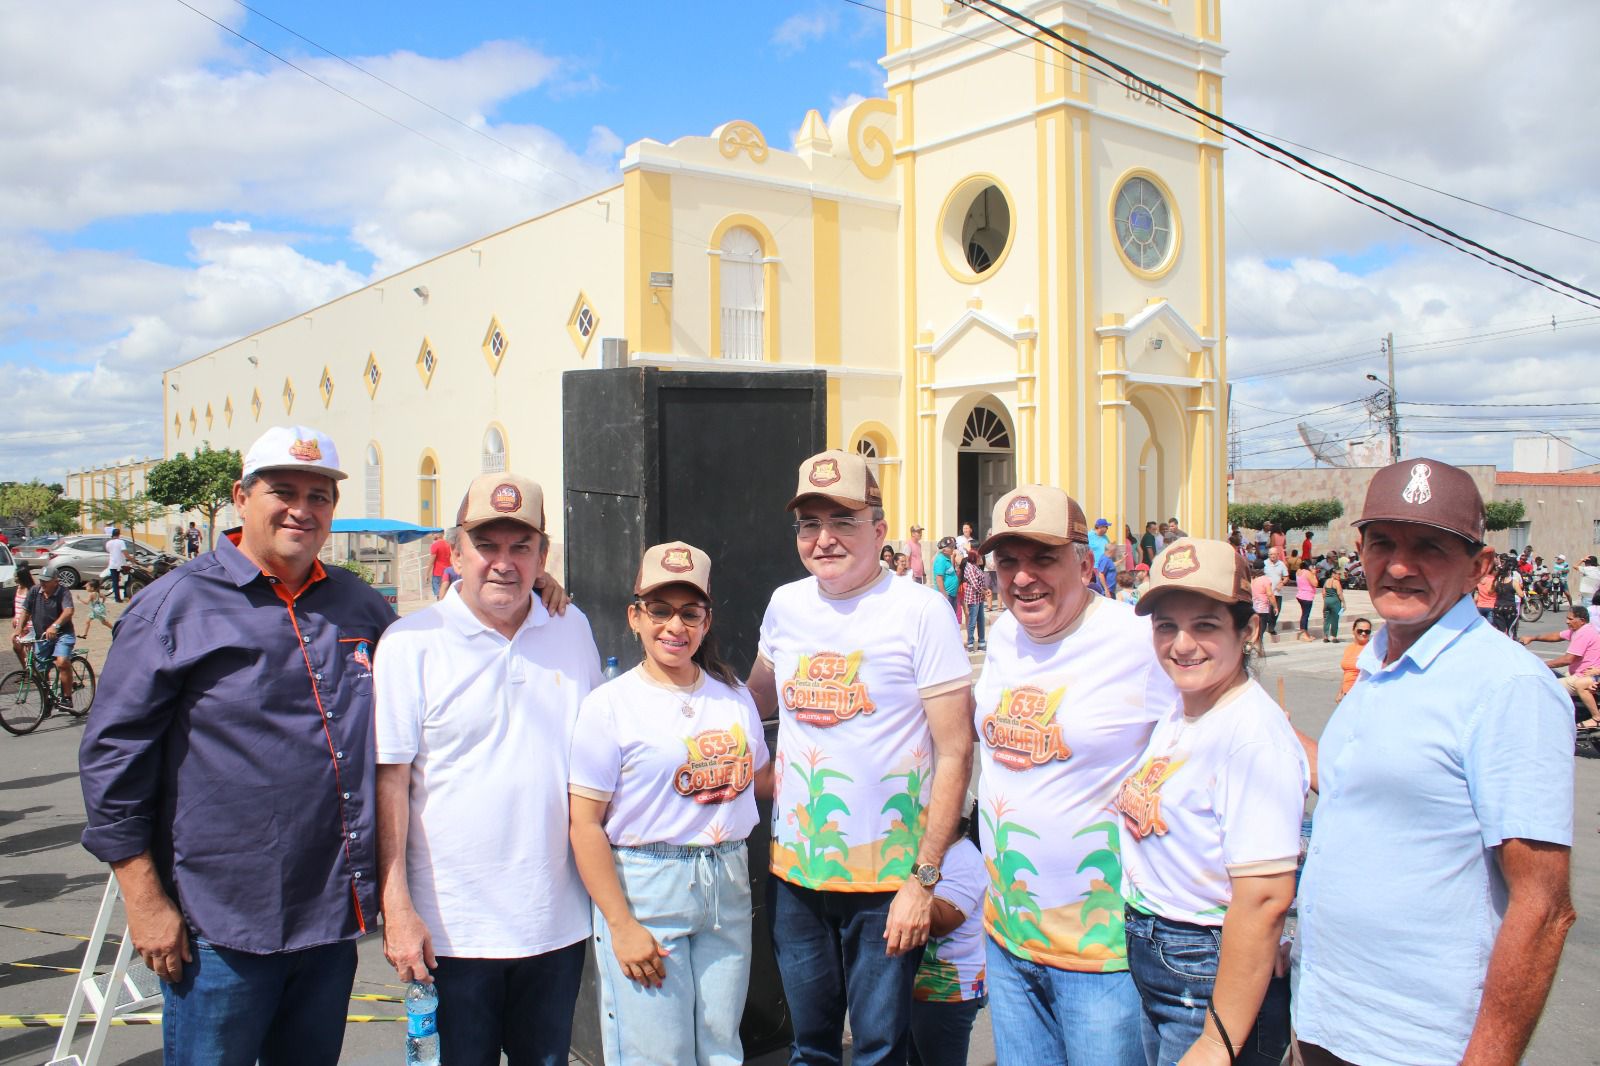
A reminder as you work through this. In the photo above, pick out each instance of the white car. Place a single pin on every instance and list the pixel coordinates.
(8, 581)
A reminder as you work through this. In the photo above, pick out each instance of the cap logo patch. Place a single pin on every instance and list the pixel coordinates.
(1020, 511)
(506, 498)
(677, 561)
(1180, 562)
(824, 472)
(307, 451)
(1417, 490)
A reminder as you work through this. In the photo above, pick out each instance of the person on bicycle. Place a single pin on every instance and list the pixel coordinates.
(49, 609)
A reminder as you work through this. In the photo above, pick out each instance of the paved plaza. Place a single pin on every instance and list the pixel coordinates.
(48, 882)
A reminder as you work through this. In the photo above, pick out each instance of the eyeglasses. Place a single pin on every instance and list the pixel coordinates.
(838, 526)
(1362, 632)
(661, 612)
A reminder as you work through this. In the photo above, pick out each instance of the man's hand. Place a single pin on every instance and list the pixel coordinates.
(910, 916)
(159, 935)
(640, 954)
(408, 945)
(551, 594)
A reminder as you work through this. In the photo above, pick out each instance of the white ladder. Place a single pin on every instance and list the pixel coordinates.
(129, 987)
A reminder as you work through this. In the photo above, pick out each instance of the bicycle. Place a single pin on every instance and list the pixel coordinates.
(28, 695)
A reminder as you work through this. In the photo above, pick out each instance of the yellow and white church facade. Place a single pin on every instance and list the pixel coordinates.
(1010, 268)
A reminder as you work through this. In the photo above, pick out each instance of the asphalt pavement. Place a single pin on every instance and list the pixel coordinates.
(50, 888)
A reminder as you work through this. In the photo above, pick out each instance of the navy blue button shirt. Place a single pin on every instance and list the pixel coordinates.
(232, 737)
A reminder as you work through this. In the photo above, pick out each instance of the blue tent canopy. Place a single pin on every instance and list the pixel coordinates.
(402, 532)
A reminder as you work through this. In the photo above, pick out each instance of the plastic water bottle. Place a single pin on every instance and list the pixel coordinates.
(612, 669)
(422, 1025)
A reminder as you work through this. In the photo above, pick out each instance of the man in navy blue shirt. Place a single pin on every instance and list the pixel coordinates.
(226, 773)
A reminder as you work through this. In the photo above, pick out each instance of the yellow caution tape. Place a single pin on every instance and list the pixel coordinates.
(51, 932)
(56, 1021)
(41, 966)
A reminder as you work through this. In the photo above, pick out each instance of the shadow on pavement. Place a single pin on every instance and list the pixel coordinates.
(36, 782)
(22, 890)
(48, 838)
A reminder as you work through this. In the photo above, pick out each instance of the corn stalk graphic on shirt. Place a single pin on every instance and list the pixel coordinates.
(1060, 724)
(855, 755)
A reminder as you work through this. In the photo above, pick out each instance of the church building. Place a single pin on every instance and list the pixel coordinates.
(1010, 267)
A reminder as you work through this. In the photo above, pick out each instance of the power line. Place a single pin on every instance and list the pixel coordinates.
(1290, 161)
(1432, 403)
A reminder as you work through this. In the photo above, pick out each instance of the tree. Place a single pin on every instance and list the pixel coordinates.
(1503, 514)
(1285, 515)
(123, 512)
(200, 482)
(35, 505)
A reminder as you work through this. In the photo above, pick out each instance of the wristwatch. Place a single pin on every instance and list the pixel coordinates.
(926, 873)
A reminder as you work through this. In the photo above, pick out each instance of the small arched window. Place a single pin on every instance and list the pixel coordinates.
(374, 472)
(742, 289)
(494, 451)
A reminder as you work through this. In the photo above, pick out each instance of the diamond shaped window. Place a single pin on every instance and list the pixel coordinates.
(325, 387)
(177, 425)
(227, 411)
(288, 396)
(372, 375)
(194, 422)
(427, 362)
(255, 403)
(209, 417)
(495, 345)
(582, 324)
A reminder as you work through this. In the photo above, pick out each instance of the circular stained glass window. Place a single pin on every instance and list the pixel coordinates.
(1144, 224)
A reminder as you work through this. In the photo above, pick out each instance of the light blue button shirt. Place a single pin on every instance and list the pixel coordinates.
(1428, 763)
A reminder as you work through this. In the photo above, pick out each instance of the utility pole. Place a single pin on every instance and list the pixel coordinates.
(1394, 415)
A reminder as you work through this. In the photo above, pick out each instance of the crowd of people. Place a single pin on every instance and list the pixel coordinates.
(276, 762)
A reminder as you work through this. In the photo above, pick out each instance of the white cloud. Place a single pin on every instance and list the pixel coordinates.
(802, 28)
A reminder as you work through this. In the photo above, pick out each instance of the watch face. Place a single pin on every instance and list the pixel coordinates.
(1144, 223)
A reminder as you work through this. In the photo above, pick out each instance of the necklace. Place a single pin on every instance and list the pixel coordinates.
(683, 693)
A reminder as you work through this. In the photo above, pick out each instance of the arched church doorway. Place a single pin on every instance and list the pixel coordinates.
(1153, 460)
(986, 466)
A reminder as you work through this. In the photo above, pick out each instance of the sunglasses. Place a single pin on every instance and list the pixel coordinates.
(1362, 632)
(661, 612)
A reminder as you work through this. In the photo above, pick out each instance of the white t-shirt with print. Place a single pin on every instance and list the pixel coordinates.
(486, 724)
(952, 969)
(1060, 724)
(673, 767)
(855, 755)
(1214, 797)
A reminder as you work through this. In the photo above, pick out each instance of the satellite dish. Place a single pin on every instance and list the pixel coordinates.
(1322, 445)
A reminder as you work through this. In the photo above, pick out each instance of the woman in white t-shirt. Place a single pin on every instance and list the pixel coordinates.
(950, 989)
(666, 762)
(1211, 823)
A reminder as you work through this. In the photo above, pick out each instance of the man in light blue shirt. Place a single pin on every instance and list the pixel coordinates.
(1098, 541)
(1436, 899)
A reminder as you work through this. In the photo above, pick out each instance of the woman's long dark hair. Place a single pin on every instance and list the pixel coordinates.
(706, 656)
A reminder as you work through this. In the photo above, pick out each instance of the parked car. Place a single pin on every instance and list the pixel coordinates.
(34, 550)
(8, 581)
(79, 558)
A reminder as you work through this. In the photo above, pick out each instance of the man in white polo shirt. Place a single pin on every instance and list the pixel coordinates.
(1069, 695)
(477, 695)
(873, 689)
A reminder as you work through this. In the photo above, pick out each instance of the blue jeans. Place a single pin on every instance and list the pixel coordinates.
(1043, 1016)
(941, 1033)
(830, 952)
(696, 902)
(1174, 965)
(438, 579)
(520, 1006)
(975, 614)
(233, 1008)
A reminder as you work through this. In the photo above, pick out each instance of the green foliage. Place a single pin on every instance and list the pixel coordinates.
(1017, 913)
(1503, 514)
(200, 482)
(1104, 895)
(818, 834)
(61, 522)
(28, 502)
(905, 835)
(360, 569)
(123, 513)
(938, 980)
(1285, 516)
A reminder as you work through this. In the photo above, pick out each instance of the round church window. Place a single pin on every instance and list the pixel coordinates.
(1145, 227)
(976, 228)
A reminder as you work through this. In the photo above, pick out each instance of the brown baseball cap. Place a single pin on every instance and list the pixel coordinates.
(1038, 512)
(1429, 493)
(492, 497)
(673, 563)
(1210, 567)
(840, 476)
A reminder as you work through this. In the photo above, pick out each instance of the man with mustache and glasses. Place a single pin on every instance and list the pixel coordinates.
(872, 688)
(1435, 899)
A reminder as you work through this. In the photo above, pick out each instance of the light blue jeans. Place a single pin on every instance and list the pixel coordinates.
(1043, 1016)
(696, 902)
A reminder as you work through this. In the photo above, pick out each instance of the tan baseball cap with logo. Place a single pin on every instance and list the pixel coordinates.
(840, 476)
(1429, 493)
(492, 497)
(673, 563)
(1038, 512)
(1189, 564)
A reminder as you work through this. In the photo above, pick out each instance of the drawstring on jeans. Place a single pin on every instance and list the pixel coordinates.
(707, 862)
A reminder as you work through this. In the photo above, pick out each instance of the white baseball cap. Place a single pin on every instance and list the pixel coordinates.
(294, 448)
